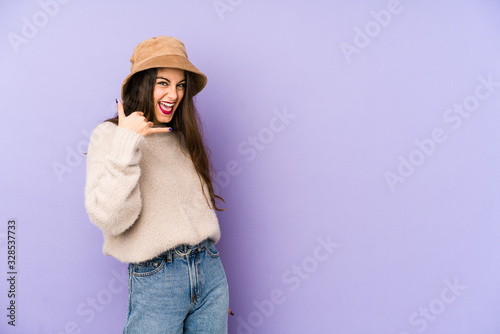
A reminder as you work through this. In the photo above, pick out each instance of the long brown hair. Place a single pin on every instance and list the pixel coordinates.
(139, 97)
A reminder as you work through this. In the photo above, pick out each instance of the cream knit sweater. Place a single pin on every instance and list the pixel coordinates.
(144, 194)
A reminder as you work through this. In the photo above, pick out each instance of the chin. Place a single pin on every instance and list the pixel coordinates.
(165, 118)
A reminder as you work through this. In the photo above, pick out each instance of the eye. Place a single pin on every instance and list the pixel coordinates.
(163, 83)
(182, 85)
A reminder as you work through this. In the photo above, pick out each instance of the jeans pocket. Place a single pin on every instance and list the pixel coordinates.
(148, 268)
(212, 251)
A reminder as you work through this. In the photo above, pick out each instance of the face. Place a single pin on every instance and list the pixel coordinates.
(169, 90)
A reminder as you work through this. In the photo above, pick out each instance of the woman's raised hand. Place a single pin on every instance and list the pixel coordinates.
(137, 122)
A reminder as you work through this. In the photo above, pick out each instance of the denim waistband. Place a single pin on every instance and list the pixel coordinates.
(184, 250)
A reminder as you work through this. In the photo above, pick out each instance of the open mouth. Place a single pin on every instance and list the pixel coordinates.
(166, 107)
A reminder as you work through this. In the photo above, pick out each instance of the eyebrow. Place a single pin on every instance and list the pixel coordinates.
(169, 80)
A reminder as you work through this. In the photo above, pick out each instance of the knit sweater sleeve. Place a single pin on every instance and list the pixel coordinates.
(112, 194)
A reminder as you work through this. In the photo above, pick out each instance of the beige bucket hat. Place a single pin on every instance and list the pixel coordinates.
(163, 51)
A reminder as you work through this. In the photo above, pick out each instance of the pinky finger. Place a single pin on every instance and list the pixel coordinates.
(160, 130)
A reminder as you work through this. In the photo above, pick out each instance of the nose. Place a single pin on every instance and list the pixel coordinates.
(172, 93)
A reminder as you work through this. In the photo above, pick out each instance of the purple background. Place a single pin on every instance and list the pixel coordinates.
(317, 175)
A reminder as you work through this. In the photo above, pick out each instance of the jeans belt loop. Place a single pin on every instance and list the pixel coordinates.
(204, 244)
(168, 256)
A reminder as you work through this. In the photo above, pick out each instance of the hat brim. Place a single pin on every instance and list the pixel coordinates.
(170, 61)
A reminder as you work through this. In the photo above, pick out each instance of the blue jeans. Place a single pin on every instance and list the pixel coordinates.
(183, 290)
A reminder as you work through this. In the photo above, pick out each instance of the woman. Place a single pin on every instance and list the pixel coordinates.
(149, 190)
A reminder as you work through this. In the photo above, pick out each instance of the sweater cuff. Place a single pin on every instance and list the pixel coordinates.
(125, 146)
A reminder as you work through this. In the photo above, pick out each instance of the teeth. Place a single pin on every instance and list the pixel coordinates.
(168, 105)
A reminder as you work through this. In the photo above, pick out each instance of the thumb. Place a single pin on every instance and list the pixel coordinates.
(119, 106)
